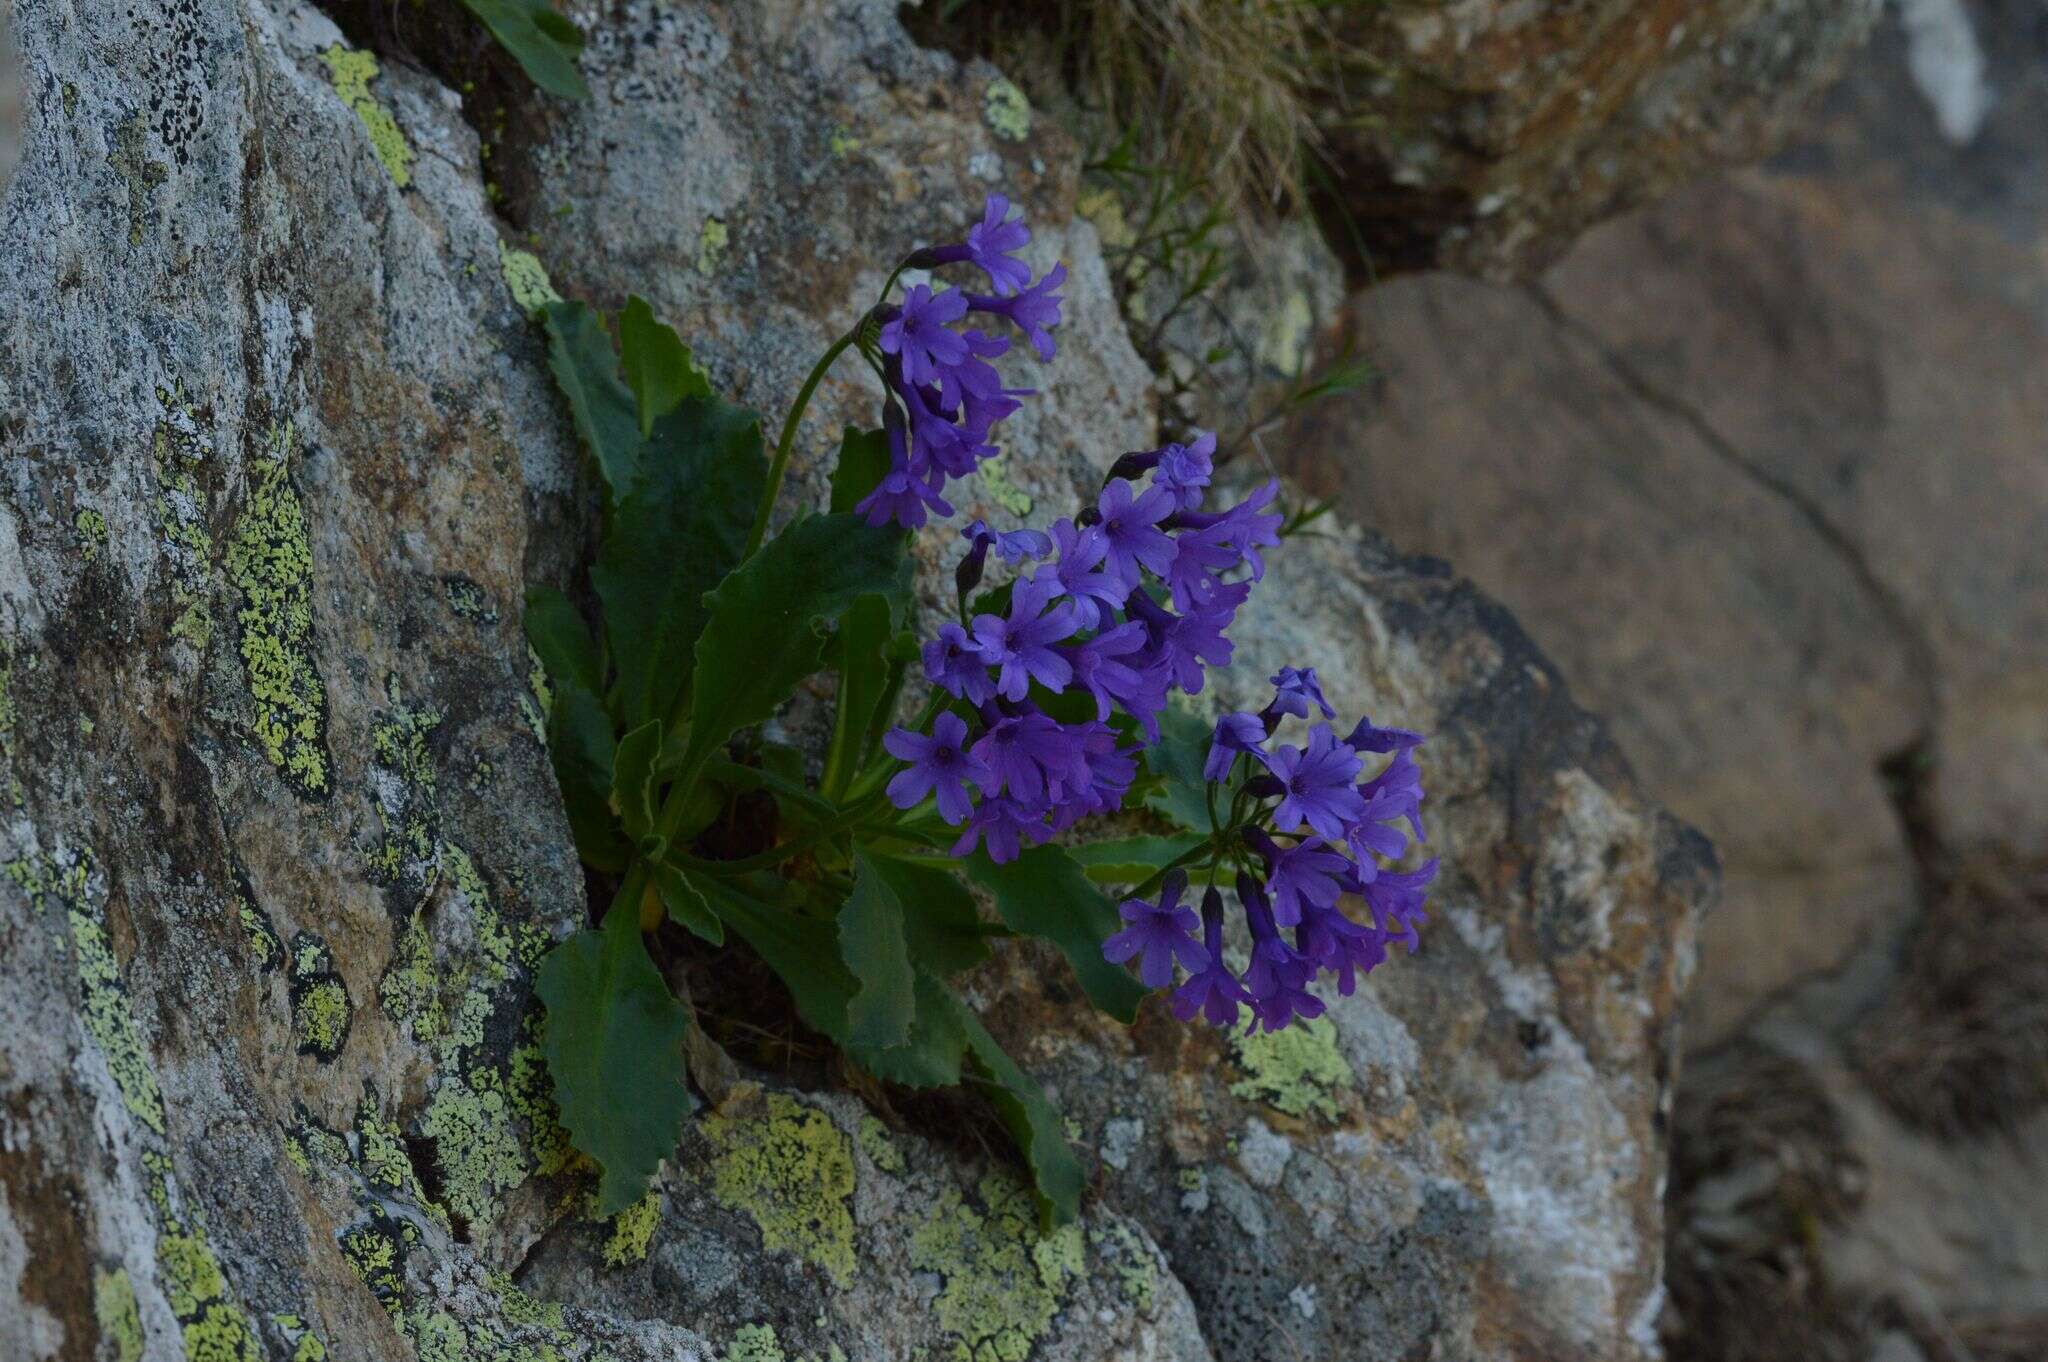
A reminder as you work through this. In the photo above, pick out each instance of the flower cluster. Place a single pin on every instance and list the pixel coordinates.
(1304, 830)
(944, 397)
(1128, 603)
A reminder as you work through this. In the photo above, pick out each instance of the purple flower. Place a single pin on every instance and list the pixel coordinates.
(1022, 645)
(1200, 558)
(1396, 899)
(1079, 552)
(1235, 733)
(937, 762)
(1184, 470)
(1278, 975)
(904, 498)
(1003, 825)
(1397, 793)
(989, 244)
(953, 663)
(1316, 785)
(1366, 738)
(1295, 689)
(1212, 990)
(1185, 646)
(1014, 546)
(1246, 527)
(919, 333)
(1111, 769)
(1033, 757)
(1345, 948)
(1100, 670)
(1300, 878)
(1130, 529)
(1159, 934)
(1035, 311)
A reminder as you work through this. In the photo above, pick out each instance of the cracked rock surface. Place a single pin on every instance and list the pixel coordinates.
(278, 453)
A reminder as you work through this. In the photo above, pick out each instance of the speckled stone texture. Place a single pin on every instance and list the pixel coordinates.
(278, 452)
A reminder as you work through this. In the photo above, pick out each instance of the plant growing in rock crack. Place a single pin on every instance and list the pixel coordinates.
(1045, 706)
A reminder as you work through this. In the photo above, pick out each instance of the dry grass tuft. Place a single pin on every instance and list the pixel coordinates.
(1216, 90)
(1960, 1044)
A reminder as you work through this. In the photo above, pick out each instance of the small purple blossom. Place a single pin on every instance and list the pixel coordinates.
(920, 335)
(1300, 878)
(1021, 646)
(1184, 470)
(1235, 733)
(939, 763)
(1212, 991)
(1158, 934)
(1035, 310)
(1295, 689)
(1003, 825)
(1316, 785)
(1131, 536)
(953, 663)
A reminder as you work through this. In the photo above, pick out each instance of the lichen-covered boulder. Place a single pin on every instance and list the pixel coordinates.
(282, 846)
(1485, 137)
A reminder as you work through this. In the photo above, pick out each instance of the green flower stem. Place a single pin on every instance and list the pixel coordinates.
(783, 445)
(850, 819)
(1196, 852)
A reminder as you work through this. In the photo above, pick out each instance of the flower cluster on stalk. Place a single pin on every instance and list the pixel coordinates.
(1120, 607)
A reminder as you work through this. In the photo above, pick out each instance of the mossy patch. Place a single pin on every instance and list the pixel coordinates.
(1297, 1070)
(1004, 1278)
(1006, 110)
(755, 1343)
(212, 1323)
(351, 72)
(271, 562)
(876, 1144)
(526, 277)
(92, 532)
(713, 239)
(790, 1169)
(114, 1310)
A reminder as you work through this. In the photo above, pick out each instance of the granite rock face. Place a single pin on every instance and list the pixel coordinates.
(282, 847)
(1485, 138)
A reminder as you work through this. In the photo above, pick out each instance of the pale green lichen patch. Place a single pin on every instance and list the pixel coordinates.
(876, 1144)
(476, 1145)
(1124, 1251)
(351, 73)
(383, 1161)
(791, 1169)
(755, 1343)
(178, 447)
(92, 532)
(410, 804)
(469, 600)
(373, 1251)
(321, 1010)
(271, 563)
(265, 948)
(1006, 110)
(633, 1231)
(526, 277)
(212, 1323)
(1297, 1070)
(995, 480)
(712, 241)
(1284, 344)
(305, 1345)
(410, 990)
(109, 1020)
(1004, 1278)
(114, 1310)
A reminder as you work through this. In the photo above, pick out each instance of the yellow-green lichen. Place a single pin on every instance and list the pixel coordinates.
(177, 449)
(107, 1015)
(876, 1144)
(410, 807)
(113, 1309)
(755, 1343)
(351, 73)
(791, 1169)
(384, 1162)
(304, 1343)
(271, 563)
(995, 480)
(469, 600)
(92, 532)
(476, 1146)
(542, 701)
(712, 241)
(842, 144)
(1004, 1278)
(1284, 344)
(1006, 110)
(410, 990)
(321, 1010)
(264, 947)
(633, 1231)
(1297, 1070)
(1125, 1252)
(371, 1249)
(213, 1325)
(527, 278)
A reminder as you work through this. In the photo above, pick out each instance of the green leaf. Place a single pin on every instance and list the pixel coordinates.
(659, 369)
(587, 372)
(1044, 892)
(1177, 759)
(763, 635)
(686, 904)
(543, 42)
(863, 681)
(803, 952)
(633, 781)
(1131, 860)
(941, 925)
(1034, 1123)
(560, 639)
(614, 1045)
(581, 741)
(679, 530)
(863, 460)
(871, 943)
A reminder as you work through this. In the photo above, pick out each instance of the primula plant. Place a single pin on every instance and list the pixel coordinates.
(1045, 704)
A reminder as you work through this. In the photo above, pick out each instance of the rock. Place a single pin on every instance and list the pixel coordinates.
(10, 98)
(282, 845)
(1486, 137)
(1693, 459)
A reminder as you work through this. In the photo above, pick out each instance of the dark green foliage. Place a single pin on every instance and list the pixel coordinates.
(1045, 893)
(543, 42)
